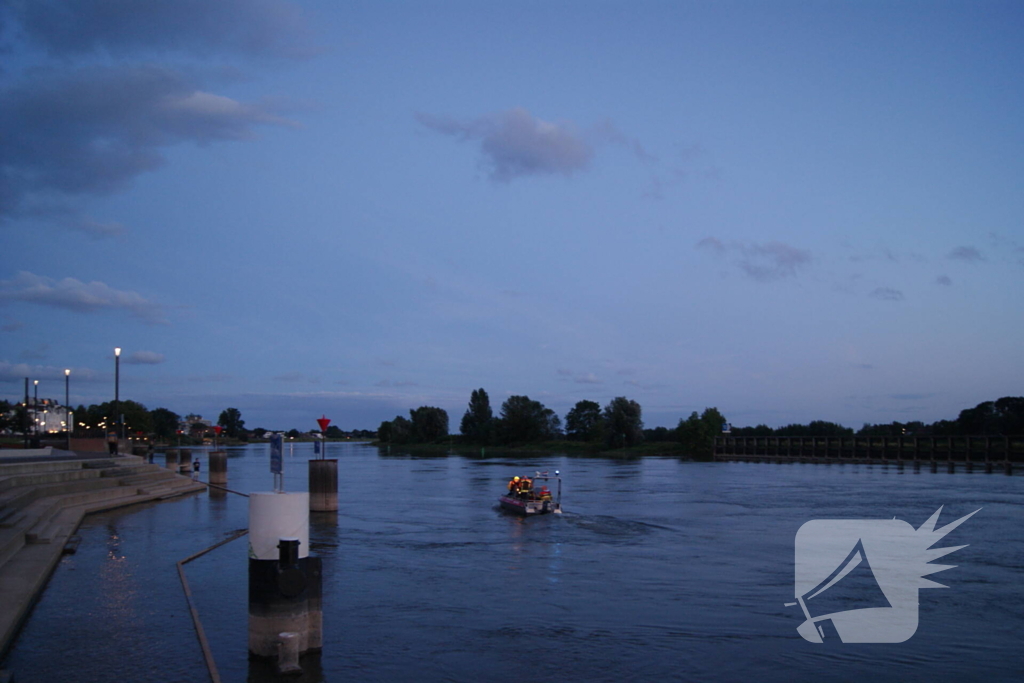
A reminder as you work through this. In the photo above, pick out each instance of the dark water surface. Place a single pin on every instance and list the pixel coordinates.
(659, 570)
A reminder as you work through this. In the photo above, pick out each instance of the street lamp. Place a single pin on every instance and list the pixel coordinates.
(117, 385)
(68, 424)
(35, 407)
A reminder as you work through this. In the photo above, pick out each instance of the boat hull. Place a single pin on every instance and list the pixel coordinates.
(528, 507)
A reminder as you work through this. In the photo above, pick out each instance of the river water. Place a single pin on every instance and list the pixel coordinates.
(659, 570)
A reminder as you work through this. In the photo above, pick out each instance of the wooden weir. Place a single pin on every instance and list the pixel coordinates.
(1002, 451)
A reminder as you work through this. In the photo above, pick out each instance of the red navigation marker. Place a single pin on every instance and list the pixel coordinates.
(323, 422)
(217, 430)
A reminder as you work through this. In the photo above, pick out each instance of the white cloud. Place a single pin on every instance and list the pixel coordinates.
(17, 372)
(74, 295)
(514, 143)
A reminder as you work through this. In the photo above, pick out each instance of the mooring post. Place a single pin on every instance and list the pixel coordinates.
(323, 485)
(171, 459)
(185, 462)
(284, 581)
(219, 468)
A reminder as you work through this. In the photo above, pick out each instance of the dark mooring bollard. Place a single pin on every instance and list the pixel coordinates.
(285, 594)
(185, 462)
(219, 468)
(323, 485)
(171, 459)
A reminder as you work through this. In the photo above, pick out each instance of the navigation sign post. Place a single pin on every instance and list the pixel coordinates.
(323, 421)
(277, 461)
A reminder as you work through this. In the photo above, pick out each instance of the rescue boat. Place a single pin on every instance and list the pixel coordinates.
(534, 500)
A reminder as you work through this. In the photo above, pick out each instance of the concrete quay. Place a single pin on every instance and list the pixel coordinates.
(44, 494)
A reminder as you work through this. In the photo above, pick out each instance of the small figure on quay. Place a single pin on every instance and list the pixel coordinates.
(195, 470)
(112, 443)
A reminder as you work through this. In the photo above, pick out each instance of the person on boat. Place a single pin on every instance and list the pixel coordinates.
(513, 486)
(545, 493)
(525, 487)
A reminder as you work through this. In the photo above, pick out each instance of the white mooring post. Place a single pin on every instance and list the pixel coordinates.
(284, 581)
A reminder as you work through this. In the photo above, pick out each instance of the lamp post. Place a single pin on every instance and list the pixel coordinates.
(35, 408)
(68, 423)
(117, 388)
(24, 420)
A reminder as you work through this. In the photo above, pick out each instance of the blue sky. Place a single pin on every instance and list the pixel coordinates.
(788, 210)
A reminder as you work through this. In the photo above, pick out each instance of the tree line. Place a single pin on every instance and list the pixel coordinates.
(619, 424)
(521, 420)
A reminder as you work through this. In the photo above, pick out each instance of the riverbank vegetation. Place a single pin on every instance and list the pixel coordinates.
(523, 424)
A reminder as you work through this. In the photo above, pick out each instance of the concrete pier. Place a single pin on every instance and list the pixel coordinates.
(171, 459)
(219, 468)
(323, 485)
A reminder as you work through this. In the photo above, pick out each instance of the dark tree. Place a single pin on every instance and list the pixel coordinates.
(232, 422)
(136, 417)
(623, 423)
(334, 432)
(695, 436)
(164, 422)
(584, 422)
(6, 420)
(815, 428)
(527, 421)
(759, 430)
(478, 421)
(1004, 416)
(428, 424)
(401, 430)
(714, 420)
(659, 434)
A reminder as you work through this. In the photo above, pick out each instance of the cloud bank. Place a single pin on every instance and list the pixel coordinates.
(74, 295)
(72, 28)
(92, 130)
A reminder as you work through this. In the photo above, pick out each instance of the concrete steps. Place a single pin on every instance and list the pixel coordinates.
(11, 541)
(41, 506)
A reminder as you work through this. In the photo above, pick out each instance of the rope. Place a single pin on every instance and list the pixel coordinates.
(203, 643)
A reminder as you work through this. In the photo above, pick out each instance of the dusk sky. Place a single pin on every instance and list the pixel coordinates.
(788, 210)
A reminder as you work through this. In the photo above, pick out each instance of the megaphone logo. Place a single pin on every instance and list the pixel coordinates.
(858, 579)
